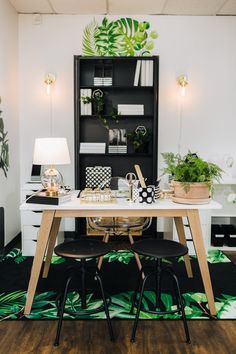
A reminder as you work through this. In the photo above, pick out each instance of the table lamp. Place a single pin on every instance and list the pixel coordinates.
(51, 152)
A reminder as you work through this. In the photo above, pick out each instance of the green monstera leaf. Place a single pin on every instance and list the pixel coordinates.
(11, 304)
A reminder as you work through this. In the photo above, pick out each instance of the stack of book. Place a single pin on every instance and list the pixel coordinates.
(117, 141)
(130, 109)
(117, 149)
(144, 73)
(85, 108)
(103, 75)
(42, 198)
(92, 148)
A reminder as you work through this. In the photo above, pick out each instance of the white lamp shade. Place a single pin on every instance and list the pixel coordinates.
(51, 151)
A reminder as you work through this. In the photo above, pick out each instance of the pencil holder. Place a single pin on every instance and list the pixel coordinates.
(146, 195)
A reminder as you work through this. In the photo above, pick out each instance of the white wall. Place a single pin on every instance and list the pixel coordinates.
(10, 186)
(201, 47)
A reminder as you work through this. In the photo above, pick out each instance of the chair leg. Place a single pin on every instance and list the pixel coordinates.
(100, 260)
(136, 292)
(83, 287)
(61, 312)
(131, 240)
(180, 301)
(105, 307)
(158, 284)
(138, 310)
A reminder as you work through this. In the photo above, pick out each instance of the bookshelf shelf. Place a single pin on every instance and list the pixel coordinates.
(122, 92)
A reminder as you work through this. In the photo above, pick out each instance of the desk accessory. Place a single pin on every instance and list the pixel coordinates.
(140, 176)
(43, 198)
(131, 179)
(98, 176)
(97, 195)
(146, 195)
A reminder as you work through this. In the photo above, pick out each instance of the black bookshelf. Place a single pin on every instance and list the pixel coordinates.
(122, 91)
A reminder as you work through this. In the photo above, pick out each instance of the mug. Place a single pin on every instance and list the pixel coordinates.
(146, 195)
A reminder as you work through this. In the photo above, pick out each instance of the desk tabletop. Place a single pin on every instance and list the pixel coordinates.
(120, 204)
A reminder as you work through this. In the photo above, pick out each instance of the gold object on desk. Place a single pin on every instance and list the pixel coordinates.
(88, 195)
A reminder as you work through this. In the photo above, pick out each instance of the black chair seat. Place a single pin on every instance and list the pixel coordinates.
(159, 248)
(82, 249)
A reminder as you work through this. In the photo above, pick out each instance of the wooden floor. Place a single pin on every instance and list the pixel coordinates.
(90, 337)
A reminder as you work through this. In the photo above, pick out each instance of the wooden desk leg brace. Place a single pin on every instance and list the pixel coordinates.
(44, 235)
(195, 226)
(180, 231)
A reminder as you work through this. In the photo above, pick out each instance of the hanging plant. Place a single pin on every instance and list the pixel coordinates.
(97, 101)
(4, 150)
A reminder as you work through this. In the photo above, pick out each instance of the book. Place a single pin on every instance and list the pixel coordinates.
(42, 198)
(150, 81)
(143, 73)
(137, 73)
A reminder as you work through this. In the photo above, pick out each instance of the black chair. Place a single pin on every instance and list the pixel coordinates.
(82, 250)
(158, 249)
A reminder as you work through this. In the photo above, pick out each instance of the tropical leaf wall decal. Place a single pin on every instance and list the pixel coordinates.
(122, 37)
(4, 148)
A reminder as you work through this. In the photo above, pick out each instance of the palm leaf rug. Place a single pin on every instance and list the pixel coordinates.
(119, 273)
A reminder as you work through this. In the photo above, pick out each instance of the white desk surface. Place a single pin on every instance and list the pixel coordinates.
(120, 204)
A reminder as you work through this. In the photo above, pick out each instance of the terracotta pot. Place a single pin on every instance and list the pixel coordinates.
(196, 190)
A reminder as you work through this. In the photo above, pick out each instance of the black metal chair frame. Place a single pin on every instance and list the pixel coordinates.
(81, 269)
(159, 269)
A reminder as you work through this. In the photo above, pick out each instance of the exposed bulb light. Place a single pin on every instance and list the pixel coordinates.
(182, 81)
(49, 81)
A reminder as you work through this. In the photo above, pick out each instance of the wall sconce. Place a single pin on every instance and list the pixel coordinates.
(182, 81)
(49, 81)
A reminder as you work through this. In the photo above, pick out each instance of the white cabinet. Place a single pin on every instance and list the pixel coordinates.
(224, 217)
(31, 220)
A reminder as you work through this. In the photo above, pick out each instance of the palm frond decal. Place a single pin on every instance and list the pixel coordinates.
(89, 45)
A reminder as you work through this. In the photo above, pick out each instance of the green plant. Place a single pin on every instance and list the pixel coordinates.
(4, 149)
(191, 168)
(122, 37)
(98, 102)
(140, 139)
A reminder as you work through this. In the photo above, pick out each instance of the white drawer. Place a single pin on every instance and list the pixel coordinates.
(30, 217)
(30, 232)
(29, 245)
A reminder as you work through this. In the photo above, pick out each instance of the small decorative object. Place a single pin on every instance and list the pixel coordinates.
(146, 195)
(192, 177)
(117, 141)
(98, 176)
(96, 196)
(140, 138)
(157, 190)
(4, 149)
(98, 102)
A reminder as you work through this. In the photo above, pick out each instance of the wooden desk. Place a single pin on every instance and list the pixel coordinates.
(52, 215)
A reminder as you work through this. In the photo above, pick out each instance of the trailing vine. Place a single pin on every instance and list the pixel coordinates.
(4, 149)
(97, 101)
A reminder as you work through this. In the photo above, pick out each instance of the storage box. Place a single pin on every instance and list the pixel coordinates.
(217, 235)
(230, 235)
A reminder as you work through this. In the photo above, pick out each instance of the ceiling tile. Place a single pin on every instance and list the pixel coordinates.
(92, 7)
(32, 6)
(192, 7)
(144, 7)
(229, 8)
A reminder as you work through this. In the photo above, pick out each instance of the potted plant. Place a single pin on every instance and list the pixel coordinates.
(140, 139)
(192, 177)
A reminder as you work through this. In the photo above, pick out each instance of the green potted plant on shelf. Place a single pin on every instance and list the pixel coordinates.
(192, 177)
(140, 139)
